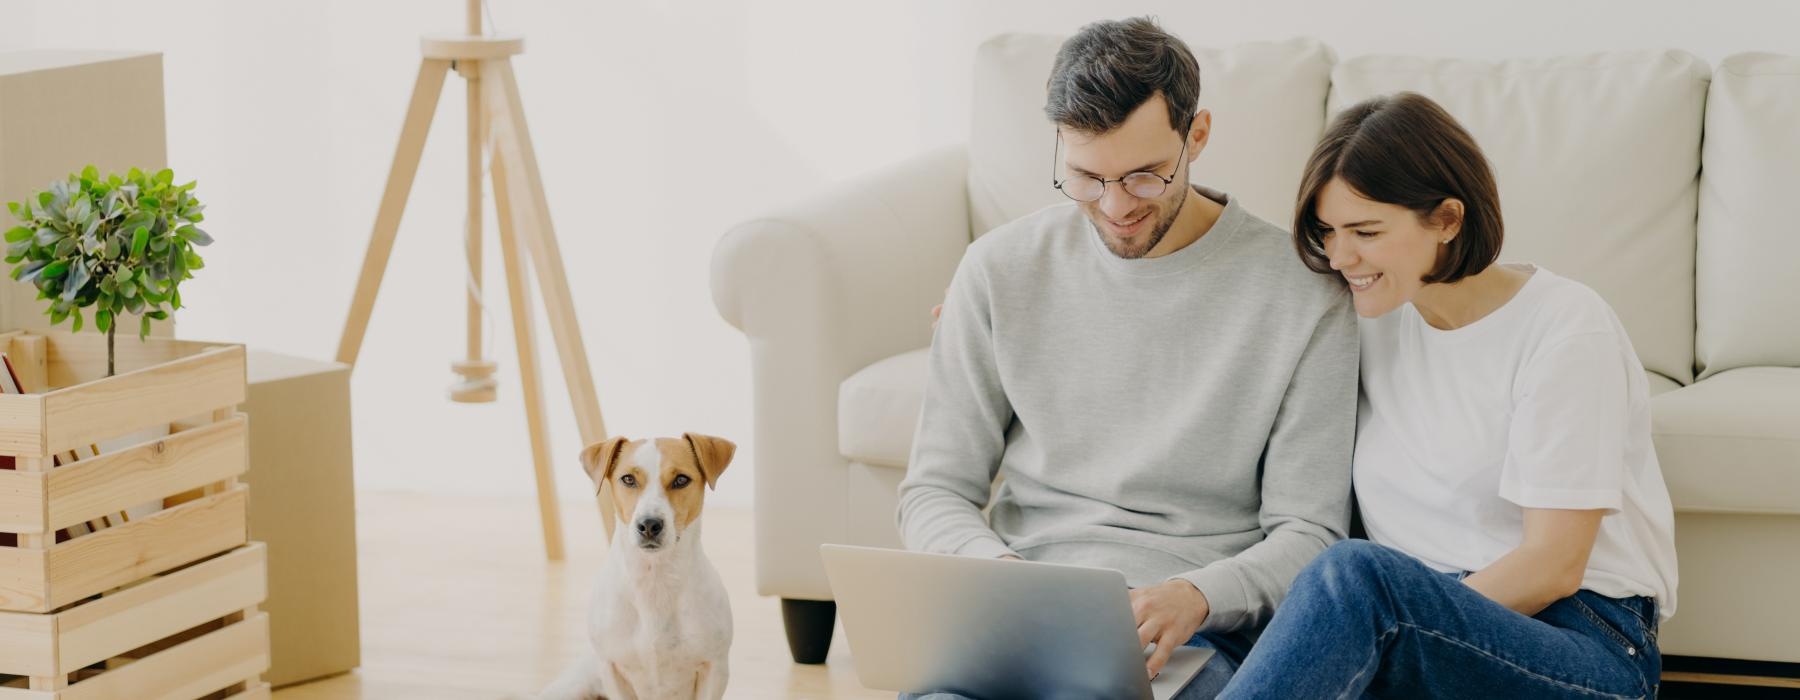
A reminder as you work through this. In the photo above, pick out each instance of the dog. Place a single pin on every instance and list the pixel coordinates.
(659, 618)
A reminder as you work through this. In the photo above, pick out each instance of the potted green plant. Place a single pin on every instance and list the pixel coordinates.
(119, 244)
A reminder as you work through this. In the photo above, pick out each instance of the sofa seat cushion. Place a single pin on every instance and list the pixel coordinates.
(878, 410)
(1731, 442)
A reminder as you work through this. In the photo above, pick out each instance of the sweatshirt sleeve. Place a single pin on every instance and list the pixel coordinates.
(961, 433)
(1305, 481)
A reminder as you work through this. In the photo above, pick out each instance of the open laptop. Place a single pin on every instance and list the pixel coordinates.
(994, 628)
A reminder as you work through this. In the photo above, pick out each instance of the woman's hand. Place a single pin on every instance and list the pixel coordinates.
(1168, 613)
(1547, 567)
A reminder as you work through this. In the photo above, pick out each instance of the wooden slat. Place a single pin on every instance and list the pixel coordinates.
(22, 581)
(145, 472)
(107, 408)
(23, 501)
(1730, 679)
(74, 358)
(116, 556)
(23, 694)
(22, 424)
(27, 644)
(162, 607)
(187, 671)
(29, 354)
(260, 692)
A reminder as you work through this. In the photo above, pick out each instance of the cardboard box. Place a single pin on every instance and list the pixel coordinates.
(305, 510)
(62, 110)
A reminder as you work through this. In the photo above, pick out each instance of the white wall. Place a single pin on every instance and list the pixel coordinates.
(658, 125)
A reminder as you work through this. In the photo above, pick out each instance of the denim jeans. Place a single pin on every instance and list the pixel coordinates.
(1367, 620)
(1228, 651)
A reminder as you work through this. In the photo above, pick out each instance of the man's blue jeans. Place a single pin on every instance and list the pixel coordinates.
(1228, 652)
(1364, 619)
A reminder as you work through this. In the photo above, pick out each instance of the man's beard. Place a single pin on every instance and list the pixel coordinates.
(1125, 249)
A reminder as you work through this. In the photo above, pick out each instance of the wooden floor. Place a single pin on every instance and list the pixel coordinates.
(458, 602)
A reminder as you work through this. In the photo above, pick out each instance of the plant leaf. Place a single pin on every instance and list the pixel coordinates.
(29, 271)
(77, 326)
(18, 233)
(143, 327)
(103, 320)
(197, 236)
(78, 277)
(56, 269)
(139, 239)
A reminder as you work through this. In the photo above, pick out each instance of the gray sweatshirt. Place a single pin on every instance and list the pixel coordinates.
(1188, 416)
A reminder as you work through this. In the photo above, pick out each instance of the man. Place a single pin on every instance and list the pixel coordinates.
(1169, 392)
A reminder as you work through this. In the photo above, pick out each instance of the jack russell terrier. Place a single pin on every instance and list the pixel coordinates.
(659, 619)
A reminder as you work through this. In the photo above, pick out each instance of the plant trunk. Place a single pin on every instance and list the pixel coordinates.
(109, 348)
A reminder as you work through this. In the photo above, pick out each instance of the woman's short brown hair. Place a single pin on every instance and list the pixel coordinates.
(1406, 150)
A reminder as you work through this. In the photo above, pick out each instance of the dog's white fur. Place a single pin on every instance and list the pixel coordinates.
(659, 618)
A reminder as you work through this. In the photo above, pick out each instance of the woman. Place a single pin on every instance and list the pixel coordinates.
(1520, 535)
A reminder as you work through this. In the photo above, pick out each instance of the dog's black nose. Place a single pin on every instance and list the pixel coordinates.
(650, 528)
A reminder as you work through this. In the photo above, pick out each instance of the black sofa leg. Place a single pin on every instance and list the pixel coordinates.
(809, 624)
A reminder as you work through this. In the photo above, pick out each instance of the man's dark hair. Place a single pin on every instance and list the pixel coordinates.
(1405, 149)
(1111, 67)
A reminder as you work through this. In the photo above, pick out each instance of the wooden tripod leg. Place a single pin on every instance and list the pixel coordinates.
(529, 380)
(513, 140)
(473, 242)
(393, 203)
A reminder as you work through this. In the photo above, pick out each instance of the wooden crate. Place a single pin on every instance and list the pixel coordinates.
(191, 633)
(191, 388)
(162, 605)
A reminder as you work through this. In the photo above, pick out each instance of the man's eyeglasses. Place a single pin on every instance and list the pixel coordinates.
(1087, 188)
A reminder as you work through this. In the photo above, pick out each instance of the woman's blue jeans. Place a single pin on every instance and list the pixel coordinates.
(1367, 620)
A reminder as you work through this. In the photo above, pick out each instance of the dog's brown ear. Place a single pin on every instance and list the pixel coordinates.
(713, 454)
(599, 458)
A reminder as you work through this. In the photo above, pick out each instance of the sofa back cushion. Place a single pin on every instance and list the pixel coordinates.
(1267, 101)
(1749, 250)
(1598, 161)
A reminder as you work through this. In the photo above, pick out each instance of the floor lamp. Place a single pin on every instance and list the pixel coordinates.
(496, 121)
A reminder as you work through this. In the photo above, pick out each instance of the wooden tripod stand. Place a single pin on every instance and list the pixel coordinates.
(496, 118)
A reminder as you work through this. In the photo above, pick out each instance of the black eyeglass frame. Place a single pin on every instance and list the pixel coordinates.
(1056, 160)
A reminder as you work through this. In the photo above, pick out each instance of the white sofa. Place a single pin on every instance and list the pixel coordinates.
(1604, 175)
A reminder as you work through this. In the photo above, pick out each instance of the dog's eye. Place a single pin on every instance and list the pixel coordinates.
(680, 481)
(629, 481)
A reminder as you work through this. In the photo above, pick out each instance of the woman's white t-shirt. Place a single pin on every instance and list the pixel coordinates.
(1540, 404)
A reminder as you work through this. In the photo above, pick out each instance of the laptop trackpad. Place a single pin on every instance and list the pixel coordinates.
(1183, 663)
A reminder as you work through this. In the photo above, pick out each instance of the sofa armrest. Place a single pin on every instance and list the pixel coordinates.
(821, 290)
